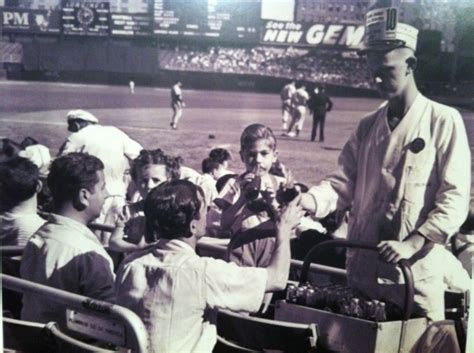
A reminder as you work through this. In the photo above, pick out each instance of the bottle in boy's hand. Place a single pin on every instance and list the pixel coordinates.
(252, 189)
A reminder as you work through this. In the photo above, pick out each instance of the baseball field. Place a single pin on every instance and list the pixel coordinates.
(211, 119)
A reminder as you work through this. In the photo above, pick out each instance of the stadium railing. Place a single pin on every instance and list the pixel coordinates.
(95, 319)
(206, 245)
(26, 336)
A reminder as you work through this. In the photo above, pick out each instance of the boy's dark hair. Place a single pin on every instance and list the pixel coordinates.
(255, 132)
(18, 182)
(170, 208)
(209, 164)
(72, 172)
(148, 157)
(220, 155)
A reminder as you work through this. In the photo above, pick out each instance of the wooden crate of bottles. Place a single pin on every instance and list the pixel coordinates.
(349, 322)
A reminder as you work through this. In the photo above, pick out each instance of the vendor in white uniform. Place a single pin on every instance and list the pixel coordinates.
(113, 147)
(406, 173)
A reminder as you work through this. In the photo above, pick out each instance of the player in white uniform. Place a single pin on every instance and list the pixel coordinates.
(286, 93)
(177, 104)
(299, 102)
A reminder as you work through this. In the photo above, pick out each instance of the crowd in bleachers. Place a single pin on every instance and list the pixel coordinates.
(319, 66)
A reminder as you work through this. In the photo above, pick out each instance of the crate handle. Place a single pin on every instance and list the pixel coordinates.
(403, 264)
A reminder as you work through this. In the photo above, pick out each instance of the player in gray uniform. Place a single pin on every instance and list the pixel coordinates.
(286, 93)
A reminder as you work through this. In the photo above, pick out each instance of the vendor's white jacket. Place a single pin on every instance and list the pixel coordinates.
(395, 188)
(112, 146)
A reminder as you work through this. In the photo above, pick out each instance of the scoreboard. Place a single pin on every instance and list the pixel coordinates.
(227, 20)
(85, 18)
(131, 18)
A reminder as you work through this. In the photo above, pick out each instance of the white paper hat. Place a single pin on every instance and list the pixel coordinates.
(383, 32)
(82, 115)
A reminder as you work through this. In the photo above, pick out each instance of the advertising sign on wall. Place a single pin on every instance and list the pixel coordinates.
(344, 36)
(18, 20)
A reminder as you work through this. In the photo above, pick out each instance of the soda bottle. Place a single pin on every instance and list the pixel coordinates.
(355, 308)
(380, 312)
(301, 295)
(369, 310)
(291, 293)
(252, 190)
(311, 297)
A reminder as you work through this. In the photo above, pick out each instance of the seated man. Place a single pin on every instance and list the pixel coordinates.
(19, 185)
(64, 253)
(174, 291)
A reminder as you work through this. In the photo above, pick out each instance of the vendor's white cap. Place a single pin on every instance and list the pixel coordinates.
(81, 115)
(383, 32)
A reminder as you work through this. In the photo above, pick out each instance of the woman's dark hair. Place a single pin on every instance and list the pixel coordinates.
(148, 157)
(28, 141)
(208, 165)
(72, 172)
(220, 155)
(9, 148)
(170, 208)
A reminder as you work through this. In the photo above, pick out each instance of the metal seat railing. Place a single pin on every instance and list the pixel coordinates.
(134, 332)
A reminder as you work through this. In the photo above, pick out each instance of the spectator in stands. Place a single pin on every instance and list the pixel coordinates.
(210, 169)
(19, 185)
(223, 157)
(64, 253)
(149, 169)
(37, 153)
(248, 201)
(174, 291)
(9, 149)
(113, 147)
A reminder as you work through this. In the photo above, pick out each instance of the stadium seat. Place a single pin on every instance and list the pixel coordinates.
(93, 319)
(26, 336)
(264, 334)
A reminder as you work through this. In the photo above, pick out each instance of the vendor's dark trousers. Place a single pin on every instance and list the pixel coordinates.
(318, 119)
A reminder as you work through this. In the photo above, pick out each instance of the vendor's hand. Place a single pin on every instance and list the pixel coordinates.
(308, 202)
(392, 251)
(142, 243)
(291, 214)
